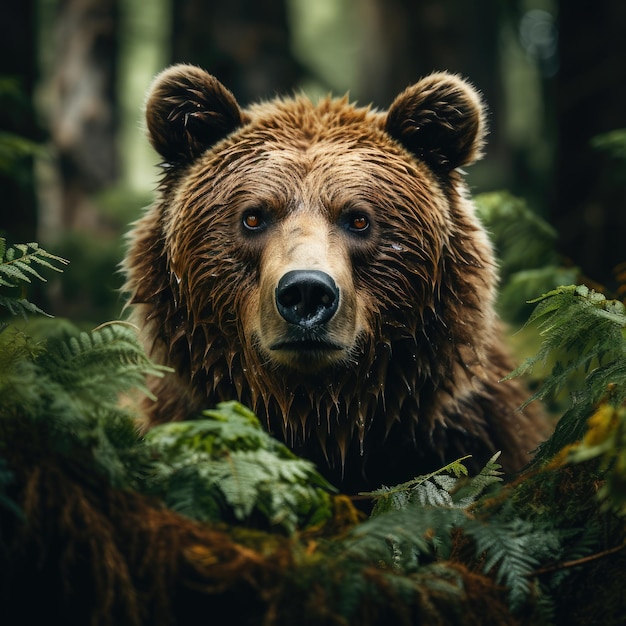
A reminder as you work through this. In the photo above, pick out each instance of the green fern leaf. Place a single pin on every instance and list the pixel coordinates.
(70, 390)
(17, 267)
(448, 486)
(226, 467)
(467, 492)
(98, 366)
(403, 540)
(20, 306)
(513, 549)
(583, 336)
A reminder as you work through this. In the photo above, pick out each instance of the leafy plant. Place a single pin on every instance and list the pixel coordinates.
(442, 548)
(225, 466)
(605, 440)
(525, 246)
(448, 486)
(613, 143)
(14, 148)
(18, 264)
(583, 335)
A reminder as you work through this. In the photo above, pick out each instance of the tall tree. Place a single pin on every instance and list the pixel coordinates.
(84, 116)
(403, 40)
(245, 43)
(589, 210)
(18, 73)
(406, 40)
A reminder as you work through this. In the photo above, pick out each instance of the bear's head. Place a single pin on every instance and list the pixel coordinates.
(322, 264)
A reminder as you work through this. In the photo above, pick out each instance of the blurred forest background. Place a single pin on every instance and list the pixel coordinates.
(76, 169)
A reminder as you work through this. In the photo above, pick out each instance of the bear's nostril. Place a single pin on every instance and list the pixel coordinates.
(307, 298)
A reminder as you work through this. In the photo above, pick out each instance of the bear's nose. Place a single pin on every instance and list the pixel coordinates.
(307, 298)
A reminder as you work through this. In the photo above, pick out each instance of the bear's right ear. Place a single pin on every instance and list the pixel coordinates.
(187, 111)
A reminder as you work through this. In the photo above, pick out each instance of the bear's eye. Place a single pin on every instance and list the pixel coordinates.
(358, 223)
(254, 220)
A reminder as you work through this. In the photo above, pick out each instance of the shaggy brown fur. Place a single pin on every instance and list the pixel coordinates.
(402, 373)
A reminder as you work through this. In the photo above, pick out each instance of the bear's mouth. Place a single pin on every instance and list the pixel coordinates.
(309, 341)
(306, 345)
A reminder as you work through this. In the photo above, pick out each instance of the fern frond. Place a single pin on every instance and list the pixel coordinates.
(70, 389)
(404, 539)
(18, 264)
(579, 325)
(468, 491)
(513, 549)
(226, 466)
(99, 365)
(20, 306)
(432, 488)
(448, 486)
(583, 336)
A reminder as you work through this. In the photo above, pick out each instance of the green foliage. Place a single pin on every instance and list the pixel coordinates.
(14, 148)
(605, 441)
(613, 143)
(525, 247)
(448, 486)
(224, 466)
(18, 265)
(62, 395)
(415, 524)
(69, 390)
(583, 336)
(514, 549)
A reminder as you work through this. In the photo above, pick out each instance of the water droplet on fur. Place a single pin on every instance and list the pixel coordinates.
(360, 424)
(398, 247)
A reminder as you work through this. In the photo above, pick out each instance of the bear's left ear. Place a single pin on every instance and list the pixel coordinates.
(187, 111)
(440, 119)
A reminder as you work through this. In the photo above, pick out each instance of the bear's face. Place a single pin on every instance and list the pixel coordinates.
(319, 262)
(312, 230)
(325, 223)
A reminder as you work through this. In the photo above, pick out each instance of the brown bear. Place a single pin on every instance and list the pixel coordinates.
(322, 264)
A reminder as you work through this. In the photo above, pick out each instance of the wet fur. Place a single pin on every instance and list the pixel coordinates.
(418, 383)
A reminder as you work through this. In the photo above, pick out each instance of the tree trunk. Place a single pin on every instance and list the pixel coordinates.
(18, 62)
(84, 118)
(590, 209)
(404, 40)
(245, 43)
(408, 39)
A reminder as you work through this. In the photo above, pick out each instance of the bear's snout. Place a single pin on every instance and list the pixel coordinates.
(307, 298)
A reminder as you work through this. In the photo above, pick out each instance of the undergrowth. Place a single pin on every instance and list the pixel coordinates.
(443, 548)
